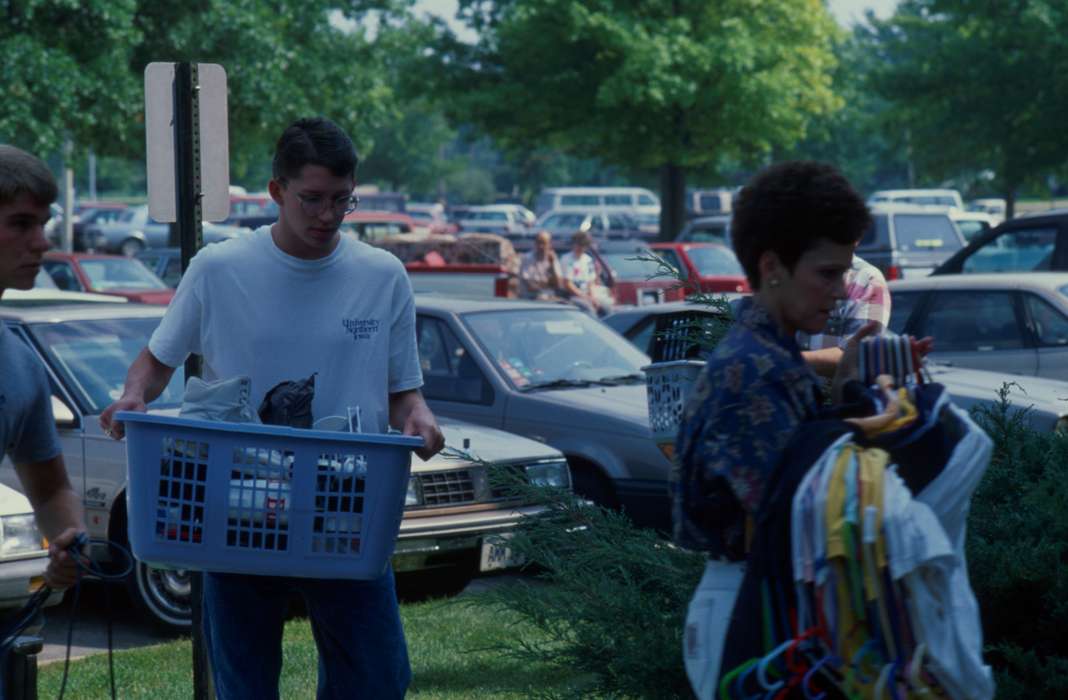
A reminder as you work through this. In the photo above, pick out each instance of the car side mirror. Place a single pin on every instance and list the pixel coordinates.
(64, 417)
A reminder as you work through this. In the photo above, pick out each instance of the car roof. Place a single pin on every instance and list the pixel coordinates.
(430, 301)
(986, 280)
(908, 208)
(916, 191)
(66, 311)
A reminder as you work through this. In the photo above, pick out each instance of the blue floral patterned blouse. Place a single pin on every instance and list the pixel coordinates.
(748, 401)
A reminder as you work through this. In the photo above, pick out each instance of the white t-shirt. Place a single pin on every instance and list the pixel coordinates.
(250, 309)
(582, 271)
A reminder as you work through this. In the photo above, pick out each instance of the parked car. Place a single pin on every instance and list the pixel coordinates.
(135, 230)
(106, 274)
(709, 202)
(908, 240)
(431, 217)
(453, 511)
(650, 329)
(635, 276)
(93, 212)
(165, 262)
(1014, 324)
(994, 206)
(972, 223)
(509, 220)
(372, 225)
(707, 267)
(1030, 242)
(373, 199)
(936, 197)
(626, 199)
(599, 224)
(23, 552)
(557, 375)
(707, 229)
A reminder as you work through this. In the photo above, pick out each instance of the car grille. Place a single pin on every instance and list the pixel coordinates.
(448, 488)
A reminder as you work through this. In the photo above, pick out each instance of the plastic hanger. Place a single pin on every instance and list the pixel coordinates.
(762, 667)
(806, 683)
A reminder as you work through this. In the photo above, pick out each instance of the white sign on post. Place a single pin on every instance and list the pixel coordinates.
(214, 142)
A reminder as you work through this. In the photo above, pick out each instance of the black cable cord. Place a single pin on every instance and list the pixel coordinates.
(28, 613)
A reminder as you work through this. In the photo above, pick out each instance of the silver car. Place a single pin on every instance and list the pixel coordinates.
(554, 374)
(456, 516)
(1010, 323)
(134, 230)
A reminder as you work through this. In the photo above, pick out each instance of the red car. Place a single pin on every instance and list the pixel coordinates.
(634, 280)
(709, 267)
(107, 274)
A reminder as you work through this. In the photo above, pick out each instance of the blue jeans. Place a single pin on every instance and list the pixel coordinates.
(357, 628)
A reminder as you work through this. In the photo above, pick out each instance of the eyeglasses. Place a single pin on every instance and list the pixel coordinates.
(313, 205)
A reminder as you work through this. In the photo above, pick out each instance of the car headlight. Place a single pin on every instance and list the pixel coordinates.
(412, 498)
(19, 535)
(551, 474)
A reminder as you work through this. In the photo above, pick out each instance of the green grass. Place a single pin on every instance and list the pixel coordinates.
(455, 650)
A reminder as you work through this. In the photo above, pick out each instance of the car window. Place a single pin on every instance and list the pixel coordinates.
(449, 371)
(580, 200)
(489, 216)
(671, 258)
(1050, 325)
(645, 200)
(119, 273)
(970, 228)
(564, 221)
(1012, 251)
(969, 321)
(901, 307)
(63, 275)
(877, 233)
(626, 264)
(710, 202)
(707, 233)
(925, 233)
(536, 346)
(714, 260)
(642, 334)
(618, 223)
(93, 357)
(618, 200)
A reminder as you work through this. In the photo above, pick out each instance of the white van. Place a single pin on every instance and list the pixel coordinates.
(635, 200)
(941, 198)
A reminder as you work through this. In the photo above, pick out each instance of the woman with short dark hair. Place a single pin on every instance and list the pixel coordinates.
(794, 228)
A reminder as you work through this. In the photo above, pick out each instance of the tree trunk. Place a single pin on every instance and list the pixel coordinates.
(672, 201)
(1010, 202)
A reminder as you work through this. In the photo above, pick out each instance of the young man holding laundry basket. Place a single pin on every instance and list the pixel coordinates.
(292, 299)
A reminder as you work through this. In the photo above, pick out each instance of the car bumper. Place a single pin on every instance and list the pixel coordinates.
(19, 579)
(446, 540)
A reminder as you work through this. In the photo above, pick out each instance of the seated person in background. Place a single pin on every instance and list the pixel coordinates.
(580, 272)
(540, 276)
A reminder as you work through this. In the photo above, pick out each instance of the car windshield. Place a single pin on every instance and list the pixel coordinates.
(44, 281)
(489, 216)
(537, 348)
(715, 261)
(120, 273)
(926, 232)
(626, 264)
(93, 357)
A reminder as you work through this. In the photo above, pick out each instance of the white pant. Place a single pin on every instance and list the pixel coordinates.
(707, 620)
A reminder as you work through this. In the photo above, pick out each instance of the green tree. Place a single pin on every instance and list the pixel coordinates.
(978, 85)
(664, 85)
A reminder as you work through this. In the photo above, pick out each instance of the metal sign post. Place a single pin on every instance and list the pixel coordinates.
(188, 181)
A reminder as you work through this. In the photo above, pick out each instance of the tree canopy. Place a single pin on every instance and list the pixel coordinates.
(978, 85)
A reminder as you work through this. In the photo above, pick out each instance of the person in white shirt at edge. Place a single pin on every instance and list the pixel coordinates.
(288, 300)
(580, 270)
(27, 428)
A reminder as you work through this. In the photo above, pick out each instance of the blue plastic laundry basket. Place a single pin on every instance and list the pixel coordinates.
(261, 499)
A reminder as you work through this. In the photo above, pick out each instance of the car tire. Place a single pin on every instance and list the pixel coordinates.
(163, 594)
(590, 482)
(131, 247)
(446, 582)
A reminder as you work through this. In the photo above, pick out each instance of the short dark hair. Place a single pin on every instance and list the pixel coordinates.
(313, 141)
(24, 173)
(582, 238)
(788, 207)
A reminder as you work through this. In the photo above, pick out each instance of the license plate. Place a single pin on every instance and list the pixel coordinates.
(496, 554)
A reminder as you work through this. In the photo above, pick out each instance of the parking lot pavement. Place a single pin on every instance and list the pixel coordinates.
(130, 630)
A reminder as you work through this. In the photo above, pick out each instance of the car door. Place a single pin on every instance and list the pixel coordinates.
(1049, 327)
(978, 328)
(454, 382)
